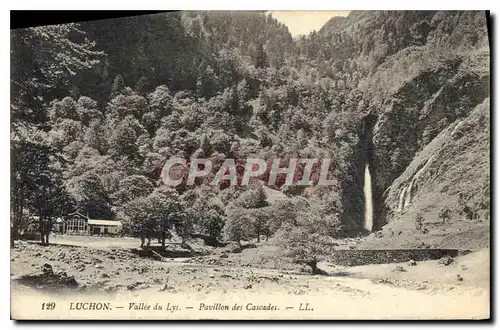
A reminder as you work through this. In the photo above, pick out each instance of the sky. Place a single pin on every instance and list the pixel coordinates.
(304, 22)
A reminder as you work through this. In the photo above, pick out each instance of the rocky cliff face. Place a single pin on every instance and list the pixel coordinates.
(427, 73)
(422, 108)
(452, 173)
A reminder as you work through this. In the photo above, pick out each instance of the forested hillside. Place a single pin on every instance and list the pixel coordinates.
(98, 107)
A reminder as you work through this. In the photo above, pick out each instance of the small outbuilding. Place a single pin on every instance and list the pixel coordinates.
(104, 227)
(79, 224)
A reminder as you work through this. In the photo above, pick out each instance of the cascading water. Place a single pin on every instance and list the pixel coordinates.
(368, 222)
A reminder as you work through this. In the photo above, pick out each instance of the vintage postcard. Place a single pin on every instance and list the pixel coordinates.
(254, 165)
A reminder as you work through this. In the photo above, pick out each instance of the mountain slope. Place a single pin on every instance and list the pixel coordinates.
(372, 90)
(416, 73)
(455, 163)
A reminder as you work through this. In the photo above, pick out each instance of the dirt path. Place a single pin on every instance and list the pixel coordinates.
(426, 290)
(330, 298)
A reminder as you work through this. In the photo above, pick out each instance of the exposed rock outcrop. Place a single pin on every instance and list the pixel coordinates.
(453, 172)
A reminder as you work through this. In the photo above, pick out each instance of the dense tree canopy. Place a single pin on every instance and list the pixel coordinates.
(112, 100)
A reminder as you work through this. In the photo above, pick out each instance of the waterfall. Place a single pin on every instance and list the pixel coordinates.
(406, 194)
(368, 223)
(401, 199)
